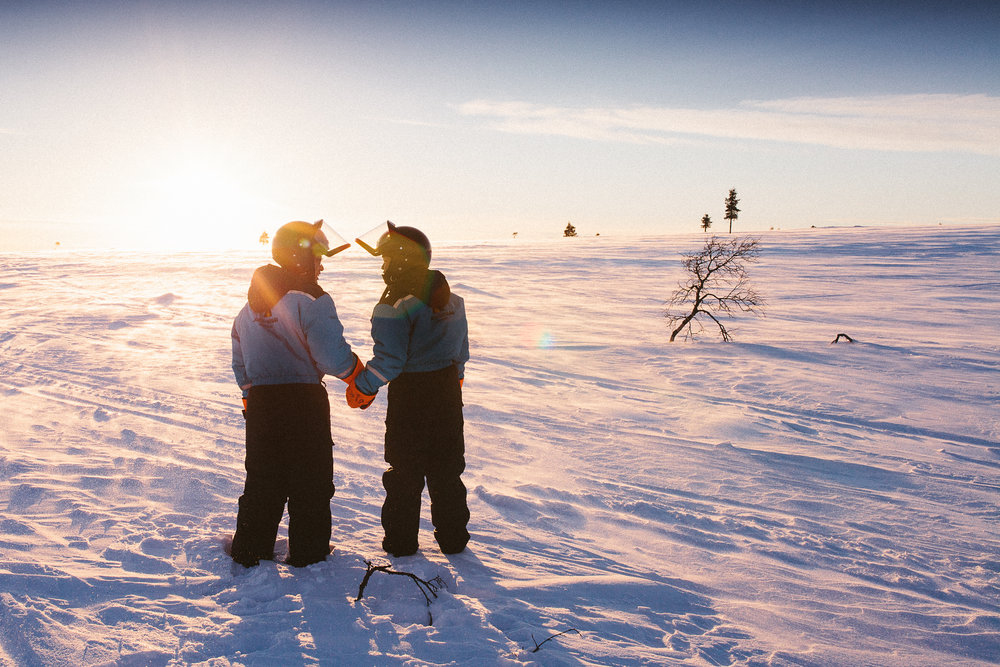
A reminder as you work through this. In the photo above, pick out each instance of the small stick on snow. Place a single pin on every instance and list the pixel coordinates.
(558, 634)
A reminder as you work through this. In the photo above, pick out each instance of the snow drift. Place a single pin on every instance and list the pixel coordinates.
(779, 500)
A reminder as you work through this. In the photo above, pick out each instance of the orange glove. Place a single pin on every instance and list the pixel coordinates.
(358, 367)
(356, 399)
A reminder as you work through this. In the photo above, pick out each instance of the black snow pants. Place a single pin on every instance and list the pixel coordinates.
(424, 440)
(289, 457)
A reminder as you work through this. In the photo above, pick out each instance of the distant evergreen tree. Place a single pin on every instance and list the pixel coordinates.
(706, 222)
(731, 211)
(570, 230)
(264, 238)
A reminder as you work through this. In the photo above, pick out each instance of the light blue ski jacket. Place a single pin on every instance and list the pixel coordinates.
(288, 332)
(416, 334)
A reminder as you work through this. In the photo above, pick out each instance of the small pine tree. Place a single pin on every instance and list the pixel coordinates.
(731, 211)
(264, 238)
(706, 222)
(570, 230)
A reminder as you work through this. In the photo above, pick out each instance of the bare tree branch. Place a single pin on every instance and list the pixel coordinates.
(428, 588)
(558, 634)
(717, 284)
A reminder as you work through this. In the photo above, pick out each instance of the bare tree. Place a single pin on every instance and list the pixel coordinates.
(716, 285)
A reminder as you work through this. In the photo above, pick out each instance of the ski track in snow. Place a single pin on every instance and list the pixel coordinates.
(779, 500)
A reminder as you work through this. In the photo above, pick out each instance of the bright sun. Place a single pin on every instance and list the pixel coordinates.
(197, 202)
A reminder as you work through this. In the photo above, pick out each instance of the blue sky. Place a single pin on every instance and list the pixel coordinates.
(198, 125)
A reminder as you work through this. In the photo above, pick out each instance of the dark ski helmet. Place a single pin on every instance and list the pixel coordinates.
(296, 245)
(401, 248)
(406, 242)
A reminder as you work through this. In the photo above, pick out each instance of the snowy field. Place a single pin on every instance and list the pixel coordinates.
(779, 500)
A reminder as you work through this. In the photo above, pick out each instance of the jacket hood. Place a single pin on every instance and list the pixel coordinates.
(438, 292)
(270, 283)
(430, 286)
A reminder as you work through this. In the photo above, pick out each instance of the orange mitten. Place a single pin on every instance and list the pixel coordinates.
(356, 399)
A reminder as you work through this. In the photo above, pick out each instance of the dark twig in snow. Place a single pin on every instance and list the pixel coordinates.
(428, 588)
(558, 634)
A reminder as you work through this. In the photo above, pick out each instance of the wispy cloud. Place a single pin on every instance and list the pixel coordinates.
(415, 123)
(953, 123)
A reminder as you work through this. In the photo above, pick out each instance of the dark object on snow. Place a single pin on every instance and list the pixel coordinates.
(558, 634)
(844, 336)
(716, 285)
(432, 586)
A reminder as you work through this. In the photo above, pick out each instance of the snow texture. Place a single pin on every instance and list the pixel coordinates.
(779, 500)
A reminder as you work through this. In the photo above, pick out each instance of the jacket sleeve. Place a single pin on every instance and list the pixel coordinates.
(464, 356)
(239, 367)
(325, 338)
(391, 334)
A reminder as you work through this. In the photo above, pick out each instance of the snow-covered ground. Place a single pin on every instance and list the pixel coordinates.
(779, 500)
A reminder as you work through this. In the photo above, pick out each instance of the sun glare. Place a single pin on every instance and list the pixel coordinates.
(197, 202)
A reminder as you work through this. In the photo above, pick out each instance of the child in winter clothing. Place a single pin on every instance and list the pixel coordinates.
(285, 339)
(421, 344)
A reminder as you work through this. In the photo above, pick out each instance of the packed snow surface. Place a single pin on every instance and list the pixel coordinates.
(778, 500)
